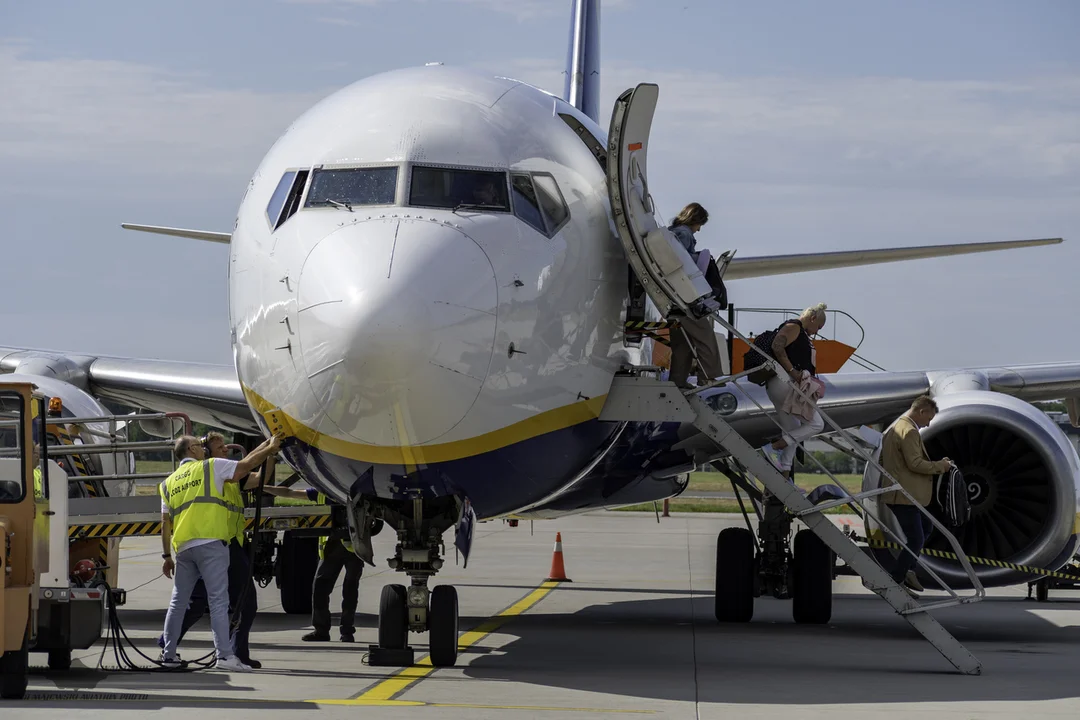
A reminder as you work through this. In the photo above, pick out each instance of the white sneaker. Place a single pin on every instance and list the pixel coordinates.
(232, 664)
(771, 454)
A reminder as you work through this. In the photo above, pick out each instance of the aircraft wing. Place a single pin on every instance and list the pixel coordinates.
(754, 267)
(207, 393)
(853, 399)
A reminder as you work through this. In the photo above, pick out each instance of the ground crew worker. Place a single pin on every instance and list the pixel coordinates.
(696, 333)
(335, 553)
(197, 525)
(239, 568)
(904, 457)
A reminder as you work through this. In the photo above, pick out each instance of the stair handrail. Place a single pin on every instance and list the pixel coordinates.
(979, 590)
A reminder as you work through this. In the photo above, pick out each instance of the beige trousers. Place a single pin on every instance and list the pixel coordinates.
(701, 336)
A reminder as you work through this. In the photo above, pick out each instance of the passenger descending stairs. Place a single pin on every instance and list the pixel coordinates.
(641, 398)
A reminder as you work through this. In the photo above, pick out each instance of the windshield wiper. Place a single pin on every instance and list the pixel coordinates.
(477, 206)
(339, 203)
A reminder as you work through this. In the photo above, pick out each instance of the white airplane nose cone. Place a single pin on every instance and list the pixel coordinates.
(396, 328)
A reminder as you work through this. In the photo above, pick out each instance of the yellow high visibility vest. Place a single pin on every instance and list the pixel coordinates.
(196, 508)
(39, 489)
(234, 496)
(323, 539)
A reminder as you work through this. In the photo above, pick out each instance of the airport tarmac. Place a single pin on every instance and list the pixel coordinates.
(632, 635)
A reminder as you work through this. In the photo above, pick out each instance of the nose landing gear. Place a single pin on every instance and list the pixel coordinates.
(419, 554)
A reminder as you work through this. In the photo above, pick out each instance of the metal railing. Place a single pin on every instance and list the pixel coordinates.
(115, 444)
(857, 499)
(831, 329)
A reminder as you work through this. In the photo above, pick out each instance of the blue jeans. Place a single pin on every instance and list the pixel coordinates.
(211, 563)
(917, 528)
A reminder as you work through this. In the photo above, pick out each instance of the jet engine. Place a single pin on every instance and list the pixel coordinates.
(1022, 476)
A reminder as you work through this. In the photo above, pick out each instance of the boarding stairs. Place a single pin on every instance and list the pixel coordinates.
(675, 282)
(637, 397)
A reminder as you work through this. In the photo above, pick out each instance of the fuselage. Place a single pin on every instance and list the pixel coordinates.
(439, 304)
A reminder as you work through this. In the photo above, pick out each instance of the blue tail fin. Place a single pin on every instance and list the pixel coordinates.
(582, 89)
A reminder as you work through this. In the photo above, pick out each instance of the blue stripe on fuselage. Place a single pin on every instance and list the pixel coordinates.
(507, 479)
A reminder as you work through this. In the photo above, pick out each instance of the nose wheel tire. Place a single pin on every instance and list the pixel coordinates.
(443, 626)
(735, 575)
(393, 618)
(811, 598)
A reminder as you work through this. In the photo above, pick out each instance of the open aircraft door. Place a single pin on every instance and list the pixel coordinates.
(670, 276)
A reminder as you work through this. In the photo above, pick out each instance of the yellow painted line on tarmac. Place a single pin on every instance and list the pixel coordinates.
(397, 684)
(361, 702)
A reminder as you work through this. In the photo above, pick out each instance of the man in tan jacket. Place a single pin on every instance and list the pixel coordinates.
(904, 457)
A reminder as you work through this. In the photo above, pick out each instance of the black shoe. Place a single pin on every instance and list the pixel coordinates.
(316, 637)
(348, 637)
(253, 664)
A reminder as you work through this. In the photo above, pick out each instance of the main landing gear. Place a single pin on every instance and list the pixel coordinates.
(746, 569)
(420, 525)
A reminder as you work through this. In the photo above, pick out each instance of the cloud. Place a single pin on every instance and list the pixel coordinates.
(1014, 136)
(70, 110)
(520, 9)
(340, 21)
(711, 130)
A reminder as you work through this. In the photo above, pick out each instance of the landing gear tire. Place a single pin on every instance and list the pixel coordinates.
(14, 672)
(298, 558)
(393, 618)
(1042, 590)
(59, 659)
(443, 630)
(811, 598)
(735, 575)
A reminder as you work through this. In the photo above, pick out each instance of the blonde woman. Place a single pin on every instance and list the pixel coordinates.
(794, 350)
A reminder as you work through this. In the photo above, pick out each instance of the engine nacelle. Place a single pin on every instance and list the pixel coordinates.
(1022, 475)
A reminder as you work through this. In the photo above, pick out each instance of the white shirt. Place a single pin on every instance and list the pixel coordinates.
(223, 470)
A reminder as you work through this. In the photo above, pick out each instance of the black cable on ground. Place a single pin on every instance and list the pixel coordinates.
(118, 640)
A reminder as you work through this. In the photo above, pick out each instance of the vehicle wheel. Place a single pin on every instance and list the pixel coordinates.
(393, 618)
(298, 559)
(811, 596)
(443, 626)
(1042, 590)
(735, 575)
(14, 672)
(59, 659)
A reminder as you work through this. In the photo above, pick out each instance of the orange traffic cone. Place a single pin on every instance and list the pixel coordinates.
(558, 570)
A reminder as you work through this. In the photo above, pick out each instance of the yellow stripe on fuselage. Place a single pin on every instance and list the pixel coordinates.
(540, 424)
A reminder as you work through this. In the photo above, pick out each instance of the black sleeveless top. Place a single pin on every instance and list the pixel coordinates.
(800, 351)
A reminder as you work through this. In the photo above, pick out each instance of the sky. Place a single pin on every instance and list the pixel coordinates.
(802, 127)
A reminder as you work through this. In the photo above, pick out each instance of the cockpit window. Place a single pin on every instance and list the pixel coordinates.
(277, 200)
(551, 201)
(452, 188)
(538, 202)
(346, 187)
(525, 205)
(286, 198)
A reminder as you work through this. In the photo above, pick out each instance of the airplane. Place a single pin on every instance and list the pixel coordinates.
(428, 294)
